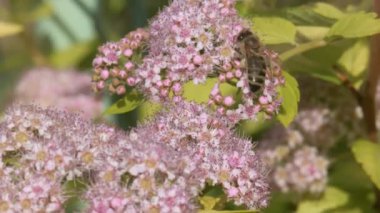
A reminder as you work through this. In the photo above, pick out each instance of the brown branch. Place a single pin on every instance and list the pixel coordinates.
(369, 92)
(366, 96)
(370, 86)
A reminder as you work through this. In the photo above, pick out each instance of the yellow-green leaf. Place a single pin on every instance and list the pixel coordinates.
(368, 155)
(126, 104)
(208, 202)
(274, 30)
(8, 29)
(148, 109)
(75, 204)
(356, 58)
(42, 11)
(200, 92)
(327, 10)
(331, 199)
(72, 55)
(355, 26)
(312, 32)
(290, 95)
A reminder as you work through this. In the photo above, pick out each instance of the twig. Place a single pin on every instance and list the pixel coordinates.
(302, 48)
(371, 87)
(347, 83)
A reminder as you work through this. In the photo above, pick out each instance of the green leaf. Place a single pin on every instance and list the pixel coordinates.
(274, 30)
(8, 29)
(42, 11)
(305, 15)
(327, 10)
(319, 62)
(200, 92)
(256, 127)
(290, 95)
(126, 104)
(356, 58)
(358, 186)
(279, 202)
(331, 199)
(355, 26)
(72, 55)
(312, 32)
(208, 202)
(74, 204)
(148, 109)
(368, 155)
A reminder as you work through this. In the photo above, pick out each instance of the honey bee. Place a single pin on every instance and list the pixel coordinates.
(256, 64)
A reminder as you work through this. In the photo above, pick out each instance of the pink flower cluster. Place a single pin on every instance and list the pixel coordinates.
(305, 172)
(192, 40)
(297, 166)
(159, 166)
(115, 65)
(64, 89)
(218, 155)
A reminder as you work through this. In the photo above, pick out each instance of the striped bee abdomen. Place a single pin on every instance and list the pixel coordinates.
(255, 63)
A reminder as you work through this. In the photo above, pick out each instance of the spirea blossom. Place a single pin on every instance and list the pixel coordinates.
(42, 149)
(297, 164)
(63, 89)
(219, 156)
(160, 166)
(116, 63)
(191, 41)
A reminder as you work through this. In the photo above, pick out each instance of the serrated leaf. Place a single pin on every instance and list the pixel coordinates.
(304, 15)
(8, 29)
(290, 95)
(331, 199)
(368, 155)
(274, 30)
(355, 26)
(313, 32)
(208, 202)
(356, 58)
(327, 10)
(126, 104)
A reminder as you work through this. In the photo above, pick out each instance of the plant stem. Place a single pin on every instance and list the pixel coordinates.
(370, 86)
(370, 90)
(302, 48)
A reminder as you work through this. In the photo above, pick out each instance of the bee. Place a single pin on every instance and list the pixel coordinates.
(251, 51)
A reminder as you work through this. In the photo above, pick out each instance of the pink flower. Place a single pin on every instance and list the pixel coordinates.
(192, 41)
(64, 89)
(233, 192)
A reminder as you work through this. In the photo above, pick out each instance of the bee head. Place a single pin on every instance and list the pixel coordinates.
(243, 34)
